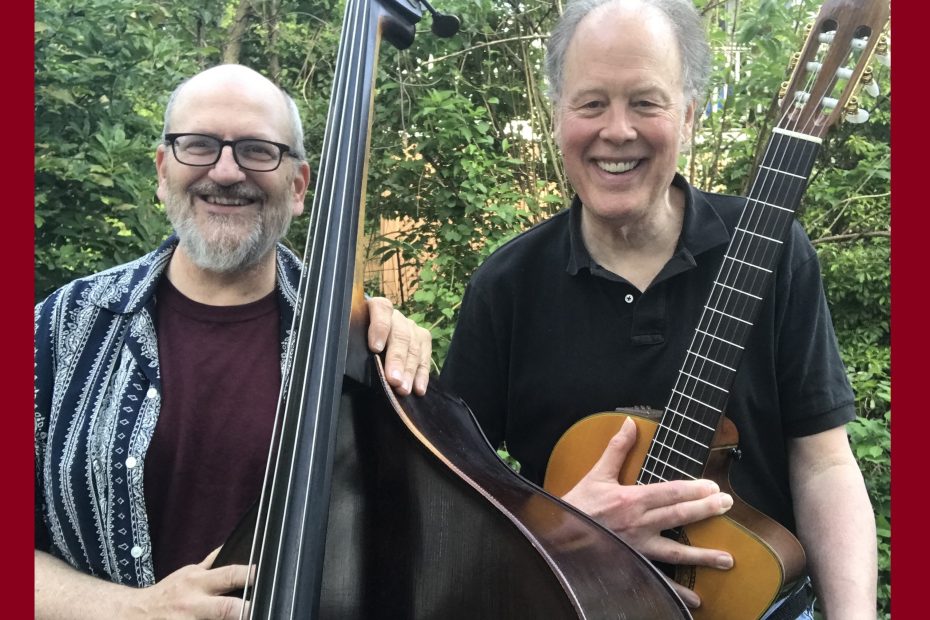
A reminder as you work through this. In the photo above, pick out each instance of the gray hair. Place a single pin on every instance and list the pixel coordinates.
(297, 128)
(693, 48)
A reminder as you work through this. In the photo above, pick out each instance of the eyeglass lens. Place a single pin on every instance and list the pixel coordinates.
(205, 150)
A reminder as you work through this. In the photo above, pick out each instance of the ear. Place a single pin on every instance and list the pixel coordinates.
(557, 125)
(160, 167)
(687, 124)
(300, 184)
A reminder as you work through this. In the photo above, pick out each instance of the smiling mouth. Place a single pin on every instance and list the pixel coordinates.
(617, 167)
(225, 201)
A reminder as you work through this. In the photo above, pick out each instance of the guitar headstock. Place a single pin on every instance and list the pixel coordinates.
(833, 66)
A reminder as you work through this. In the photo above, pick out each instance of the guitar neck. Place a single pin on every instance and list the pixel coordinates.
(682, 442)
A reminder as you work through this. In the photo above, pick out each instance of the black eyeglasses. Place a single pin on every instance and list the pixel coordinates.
(195, 149)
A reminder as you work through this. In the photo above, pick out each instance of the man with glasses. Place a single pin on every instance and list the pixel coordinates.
(156, 382)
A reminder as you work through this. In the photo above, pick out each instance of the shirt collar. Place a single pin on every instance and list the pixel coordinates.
(127, 288)
(701, 230)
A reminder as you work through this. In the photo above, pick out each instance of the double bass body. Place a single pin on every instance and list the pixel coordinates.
(376, 507)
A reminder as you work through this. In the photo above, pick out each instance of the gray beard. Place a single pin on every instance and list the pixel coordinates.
(223, 251)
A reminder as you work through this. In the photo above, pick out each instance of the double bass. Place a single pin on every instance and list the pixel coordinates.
(376, 506)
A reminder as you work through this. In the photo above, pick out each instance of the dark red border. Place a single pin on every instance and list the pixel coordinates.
(16, 255)
(910, 161)
(909, 313)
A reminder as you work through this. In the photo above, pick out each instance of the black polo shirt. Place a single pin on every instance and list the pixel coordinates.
(546, 337)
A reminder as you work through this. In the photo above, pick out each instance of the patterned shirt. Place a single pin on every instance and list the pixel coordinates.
(97, 400)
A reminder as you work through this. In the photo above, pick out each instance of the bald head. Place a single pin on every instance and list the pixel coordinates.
(240, 86)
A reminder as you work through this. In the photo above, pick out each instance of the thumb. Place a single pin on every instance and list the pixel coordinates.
(211, 557)
(608, 466)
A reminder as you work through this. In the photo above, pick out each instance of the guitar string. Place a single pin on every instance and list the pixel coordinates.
(681, 407)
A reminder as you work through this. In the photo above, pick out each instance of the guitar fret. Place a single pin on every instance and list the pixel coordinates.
(712, 361)
(691, 439)
(700, 402)
(755, 234)
(649, 471)
(715, 337)
(738, 290)
(673, 449)
(774, 206)
(733, 258)
(729, 316)
(682, 372)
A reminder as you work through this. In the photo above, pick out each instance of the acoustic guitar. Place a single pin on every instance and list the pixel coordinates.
(692, 438)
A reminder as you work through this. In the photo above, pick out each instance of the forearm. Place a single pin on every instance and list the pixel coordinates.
(61, 592)
(837, 528)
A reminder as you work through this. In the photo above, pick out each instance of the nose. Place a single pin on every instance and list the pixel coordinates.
(618, 125)
(226, 171)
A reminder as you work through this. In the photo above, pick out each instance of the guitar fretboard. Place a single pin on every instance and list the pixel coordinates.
(681, 445)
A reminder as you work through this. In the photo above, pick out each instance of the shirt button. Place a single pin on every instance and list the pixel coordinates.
(152, 393)
(136, 552)
(629, 298)
(131, 462)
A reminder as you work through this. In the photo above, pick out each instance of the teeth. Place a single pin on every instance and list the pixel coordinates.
(617, 166)
(228, 202)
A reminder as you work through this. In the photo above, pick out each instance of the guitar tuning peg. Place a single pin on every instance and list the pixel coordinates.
(869, 83)
(853, 113)
(882, 52)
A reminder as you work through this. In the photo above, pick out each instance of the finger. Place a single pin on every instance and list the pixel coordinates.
(663, 549)
(414, 356)
(380, 313)
(211, 557)
(399, 373)
(690, 597)
(667, 510)
(609, 464)
(229, 608)
(421, 380)
(227, 578)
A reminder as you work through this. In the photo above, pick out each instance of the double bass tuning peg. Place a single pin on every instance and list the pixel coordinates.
(444, 26)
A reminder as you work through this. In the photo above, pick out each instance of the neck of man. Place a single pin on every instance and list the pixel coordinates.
(638, 250)
(222, 288)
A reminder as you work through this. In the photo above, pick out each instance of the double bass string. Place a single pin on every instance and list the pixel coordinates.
(326, 204)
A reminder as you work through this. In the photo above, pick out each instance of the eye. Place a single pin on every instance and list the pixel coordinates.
(258, 150)
(197, 144)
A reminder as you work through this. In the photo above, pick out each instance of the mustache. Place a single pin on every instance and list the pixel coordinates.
(237, 191)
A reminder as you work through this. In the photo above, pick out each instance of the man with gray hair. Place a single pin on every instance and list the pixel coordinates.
(156, 382)
(594, 309)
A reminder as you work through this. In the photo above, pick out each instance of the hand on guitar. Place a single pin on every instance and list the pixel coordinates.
(640, 513)
(409, 346)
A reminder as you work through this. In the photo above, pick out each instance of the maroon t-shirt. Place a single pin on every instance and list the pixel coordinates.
(220, 372)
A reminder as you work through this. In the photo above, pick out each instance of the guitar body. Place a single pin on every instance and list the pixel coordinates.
(767, 557)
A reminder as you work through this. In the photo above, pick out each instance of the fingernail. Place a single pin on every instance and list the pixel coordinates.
(405, 386)
(726, 501)
(724, 561)
(713, 486)
(379, 346)
(396, 374)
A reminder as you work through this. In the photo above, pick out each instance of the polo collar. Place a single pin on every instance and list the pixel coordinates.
(702, 229)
